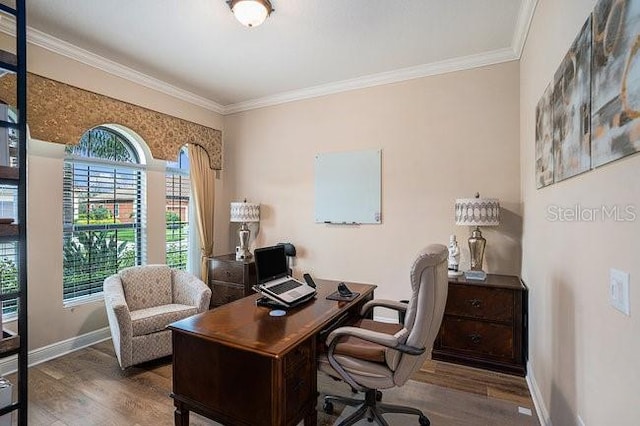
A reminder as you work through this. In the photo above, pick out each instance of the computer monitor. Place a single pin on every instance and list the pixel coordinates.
(271, 263)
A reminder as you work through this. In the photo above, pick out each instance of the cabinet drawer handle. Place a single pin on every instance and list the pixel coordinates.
(475, 338)
(476, 303)
(227, 273)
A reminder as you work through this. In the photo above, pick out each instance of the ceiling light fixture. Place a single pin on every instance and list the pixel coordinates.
(250, 13)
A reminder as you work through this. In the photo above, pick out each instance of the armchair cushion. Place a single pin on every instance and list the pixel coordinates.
(363, 349)
(156, 318)
(148, 286)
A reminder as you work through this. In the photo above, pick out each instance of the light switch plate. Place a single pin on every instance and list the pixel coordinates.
(619, 290)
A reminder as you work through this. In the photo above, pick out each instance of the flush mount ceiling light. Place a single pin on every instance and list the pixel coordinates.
(250, 13)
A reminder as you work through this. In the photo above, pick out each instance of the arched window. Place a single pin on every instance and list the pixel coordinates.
(178, 192)
(102, 210)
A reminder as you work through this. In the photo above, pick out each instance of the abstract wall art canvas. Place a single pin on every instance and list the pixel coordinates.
(571, 109)
(615, 119)
(544, 140)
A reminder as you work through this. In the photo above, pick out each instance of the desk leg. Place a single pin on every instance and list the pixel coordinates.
(181, 414)
(311, 419)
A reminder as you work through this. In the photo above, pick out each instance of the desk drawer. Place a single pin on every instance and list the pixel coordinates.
(300, 356)
(300, 367)
(481, 338)
(224, 292)
(493, 304)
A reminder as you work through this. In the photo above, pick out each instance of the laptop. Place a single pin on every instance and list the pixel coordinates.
(274, 280)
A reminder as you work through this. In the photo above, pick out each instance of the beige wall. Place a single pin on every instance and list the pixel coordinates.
(584, 353)
(442, 137)
(49, 320)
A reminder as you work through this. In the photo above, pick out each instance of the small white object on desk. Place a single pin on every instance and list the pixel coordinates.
(454, 257)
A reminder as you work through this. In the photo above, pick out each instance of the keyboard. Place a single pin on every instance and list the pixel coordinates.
(284, 287)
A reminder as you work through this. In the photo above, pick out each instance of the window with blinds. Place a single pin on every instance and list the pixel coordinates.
(9, 250)
(102, 211)
(9, 275)
(178, 191)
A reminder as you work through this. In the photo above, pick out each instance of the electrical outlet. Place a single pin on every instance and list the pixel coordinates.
(619, 290)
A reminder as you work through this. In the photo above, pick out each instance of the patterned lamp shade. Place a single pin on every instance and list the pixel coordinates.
(245, 212)
(477, 211)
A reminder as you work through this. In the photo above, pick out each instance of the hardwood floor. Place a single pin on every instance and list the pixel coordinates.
(481, 382)
(87, 387)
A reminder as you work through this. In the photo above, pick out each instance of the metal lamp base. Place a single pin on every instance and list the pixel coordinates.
(242, 252)
(476, 249)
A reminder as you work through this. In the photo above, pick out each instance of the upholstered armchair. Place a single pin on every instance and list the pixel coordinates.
(371, 355)
(141, 301)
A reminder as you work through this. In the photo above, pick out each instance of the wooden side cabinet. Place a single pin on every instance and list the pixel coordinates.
(485, 324)
(230, 279)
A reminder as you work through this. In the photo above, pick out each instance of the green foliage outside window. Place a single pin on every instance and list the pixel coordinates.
(8, 275)
(92, 256)
(8, 282)
(176, 258)
(172, 219)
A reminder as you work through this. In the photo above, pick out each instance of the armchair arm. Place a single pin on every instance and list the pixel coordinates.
(119, 318)
(190, 290)
(383, 303)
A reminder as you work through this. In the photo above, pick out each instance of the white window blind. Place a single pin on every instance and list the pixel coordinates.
(97, 240)
(177, 190)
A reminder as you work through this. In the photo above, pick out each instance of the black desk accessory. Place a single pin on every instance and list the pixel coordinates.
(344, 290)
(268, 303)
(343, 294)
(309, 280)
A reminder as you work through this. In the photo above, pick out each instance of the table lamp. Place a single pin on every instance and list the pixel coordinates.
(244, 213)
(477, 212)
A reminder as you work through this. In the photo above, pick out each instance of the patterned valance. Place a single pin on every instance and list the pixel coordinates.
(58, 112)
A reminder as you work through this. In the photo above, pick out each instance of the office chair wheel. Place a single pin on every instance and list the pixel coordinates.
(424, 421)
(378, 396)
(327, 407)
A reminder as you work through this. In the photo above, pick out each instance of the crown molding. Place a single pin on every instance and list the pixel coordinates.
(525, 16)
(53, 44)
(435, 68)
(61, 47)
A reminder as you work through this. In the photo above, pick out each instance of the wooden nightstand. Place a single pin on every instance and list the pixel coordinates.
(230, 279)
(485, 324)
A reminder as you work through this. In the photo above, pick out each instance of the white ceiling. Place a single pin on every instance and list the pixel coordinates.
(305, 48)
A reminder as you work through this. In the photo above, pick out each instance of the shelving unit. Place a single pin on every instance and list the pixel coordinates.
(13, 178)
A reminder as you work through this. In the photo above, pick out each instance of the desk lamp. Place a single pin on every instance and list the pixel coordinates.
(477, 212)
(244, 213)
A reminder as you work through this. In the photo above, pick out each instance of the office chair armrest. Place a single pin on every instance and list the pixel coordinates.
(383, 303)
(387, 340)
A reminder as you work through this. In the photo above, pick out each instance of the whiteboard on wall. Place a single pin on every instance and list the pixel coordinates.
(347, 187)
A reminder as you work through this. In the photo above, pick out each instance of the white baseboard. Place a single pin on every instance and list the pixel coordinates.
(538, 402)
(55, 350)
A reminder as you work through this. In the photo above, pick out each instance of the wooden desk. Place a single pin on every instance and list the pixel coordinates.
(240, 366)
